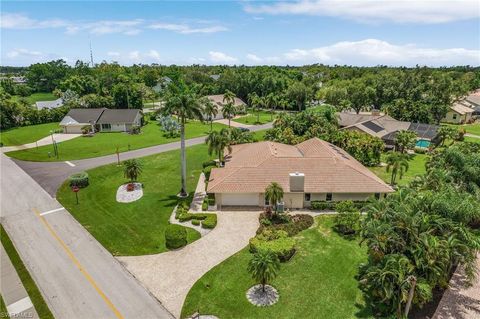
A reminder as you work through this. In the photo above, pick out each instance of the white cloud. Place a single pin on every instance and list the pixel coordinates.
(186, 29)
(399, 11)
(377, 52)
(113, 53)
(126, 27)
(252, 57)
(21, 21)
(18, 53)
(135, 57)
(221, 58)
(154, 55)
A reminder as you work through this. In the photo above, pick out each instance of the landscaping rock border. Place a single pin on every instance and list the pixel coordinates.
(257, 297)
(124, 196)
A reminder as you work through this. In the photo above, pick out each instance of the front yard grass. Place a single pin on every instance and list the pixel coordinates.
(416, 167)
(106, 143)
(39, 96)
(251, 117)
(136, 228)
(318, 282)
(32, 290)
(27, 134)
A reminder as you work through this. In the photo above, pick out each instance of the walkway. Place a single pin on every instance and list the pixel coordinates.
(460, 301)
(199, 196)
(169, 276)
(14, 294)
(233, 123)
(50, 175)
(44, 141)
(78, 278)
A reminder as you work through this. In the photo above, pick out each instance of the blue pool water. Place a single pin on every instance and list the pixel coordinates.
(422, 143)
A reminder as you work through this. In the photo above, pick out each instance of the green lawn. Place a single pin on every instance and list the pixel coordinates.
(136, 228)
(106, 143)
(416, 167)
(3, 308)
(26, 134)
(40, 96)
(259, 135)
(472, 139)
(27, 281)
(472, 128)
(318, 282)
(251, 117)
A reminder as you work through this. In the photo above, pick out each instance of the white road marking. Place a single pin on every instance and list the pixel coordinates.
(52, 211)
(70, 164)
(19, 306)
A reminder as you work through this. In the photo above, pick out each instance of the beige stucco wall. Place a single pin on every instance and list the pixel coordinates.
(73, 129)
(459, 118)
(293, 200)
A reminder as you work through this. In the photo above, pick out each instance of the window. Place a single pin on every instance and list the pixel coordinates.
(377, 195)
(329, 197)
(267, 203)
(307, 197)
(454, 116)
(106, 126)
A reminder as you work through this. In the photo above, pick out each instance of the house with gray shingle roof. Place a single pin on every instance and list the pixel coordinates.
(49, 104)
(101, 120)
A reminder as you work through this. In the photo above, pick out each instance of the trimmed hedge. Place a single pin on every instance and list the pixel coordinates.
(209, 163)
(323, 205)
(195, 222)
(210, 222)
(276, 241)
(79, 180)
(175, 236)
(292, 224)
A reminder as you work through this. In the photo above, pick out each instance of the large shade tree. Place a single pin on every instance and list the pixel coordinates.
(182, 102)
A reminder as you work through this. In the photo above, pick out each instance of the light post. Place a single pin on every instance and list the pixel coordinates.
(75, 189)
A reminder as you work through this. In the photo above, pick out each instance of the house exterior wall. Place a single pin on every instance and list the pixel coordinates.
(293, 200)
(455, 118)
(73, 129)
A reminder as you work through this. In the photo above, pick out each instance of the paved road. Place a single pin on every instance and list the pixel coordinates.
(50, 175)
(76, 275)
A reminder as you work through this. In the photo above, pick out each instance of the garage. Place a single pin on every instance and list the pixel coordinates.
(244, 199)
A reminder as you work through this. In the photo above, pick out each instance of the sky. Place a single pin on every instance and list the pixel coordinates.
(351, 32)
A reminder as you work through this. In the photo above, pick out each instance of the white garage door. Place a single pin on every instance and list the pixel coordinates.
(240, 199)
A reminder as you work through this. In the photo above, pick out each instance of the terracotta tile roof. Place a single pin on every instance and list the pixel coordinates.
(218, 99)
(327, 168)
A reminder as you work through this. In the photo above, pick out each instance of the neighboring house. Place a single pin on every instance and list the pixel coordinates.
(459, 113)
(313, 170)
(103, 120)
(15, 79)
(162, 84)
(215, 77)
(49, 104)
(218, 100)
(386, 128)
(473, 101)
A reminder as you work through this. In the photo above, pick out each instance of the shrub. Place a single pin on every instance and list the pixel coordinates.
(135, 129)
(170, 126)
(79, 180)
(209, 163)
(86, 129)
(322, 205)
(347, 221)
(276, 241)
(210, 222)
(205, 204)
(175, 236)
(207, 171)
(293, 226)
(195, 222)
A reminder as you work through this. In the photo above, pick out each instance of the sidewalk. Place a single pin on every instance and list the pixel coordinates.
(44, 141)
(14, 294)
(199, 196)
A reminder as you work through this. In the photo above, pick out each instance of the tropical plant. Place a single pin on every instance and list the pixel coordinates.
(217, 143)
(274, 194)
(169, 125)
(184, 103)
(447, 133)
(264, 267)
(132, 168)
(397, 163)
(404, 140)
(210, 109)
(271, 103)
(229, 111)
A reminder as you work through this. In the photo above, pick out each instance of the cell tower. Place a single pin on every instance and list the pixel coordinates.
(91, 55)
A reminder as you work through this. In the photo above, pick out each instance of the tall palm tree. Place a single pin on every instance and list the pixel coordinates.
(185, 104)
(210, 110)
(274, 194)
(271, 103)
(132, 168)
(229, 97)
(398, 164)
(264, 267)
(229, 111)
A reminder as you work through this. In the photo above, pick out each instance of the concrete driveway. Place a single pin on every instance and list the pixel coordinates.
(169, 276)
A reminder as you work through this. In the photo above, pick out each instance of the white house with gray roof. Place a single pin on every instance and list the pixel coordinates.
(102, 120)
(49, 104)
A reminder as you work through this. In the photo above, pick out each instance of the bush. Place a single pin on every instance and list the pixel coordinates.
(79, 179)
(293, 225)
(205, 204)
(347, 221)
(276, 241)
(207, 171)
(210, 222)
(209, 163)
(135, 129)
(175, 236)
(322, 205)
(195, 222)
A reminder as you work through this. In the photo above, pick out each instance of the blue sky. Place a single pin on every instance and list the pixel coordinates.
(357, 32)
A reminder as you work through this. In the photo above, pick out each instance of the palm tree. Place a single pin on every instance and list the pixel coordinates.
(229, 97)
(257, 103)
(185, 105)
(228, 111)
(132, 168)
(217, 143)
(274, 194)
(210, 109)
(264, 267)
(398, 163)
(271, 103)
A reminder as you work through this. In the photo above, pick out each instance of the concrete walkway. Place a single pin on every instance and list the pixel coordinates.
(233, 123)
(199, 196)
(14, 294)
(169, 276)
(44, 141)
(460, 301)
(77, 277)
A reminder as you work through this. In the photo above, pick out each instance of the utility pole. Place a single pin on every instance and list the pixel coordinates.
(91, 55)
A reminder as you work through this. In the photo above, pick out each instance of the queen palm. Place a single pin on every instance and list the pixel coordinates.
(185, 104)
(274, 194)
(132, 168)
(398, 164)
(264, 267)
(210, 110)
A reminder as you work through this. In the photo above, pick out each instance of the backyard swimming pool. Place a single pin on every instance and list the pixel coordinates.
(422, 143)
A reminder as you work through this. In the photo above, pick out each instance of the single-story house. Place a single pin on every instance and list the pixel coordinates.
(162, 84)
(49, 104)
(386, 128)
(313, 170)
(458, 113)
(103, 120)
(218, 100)
(215, 77)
